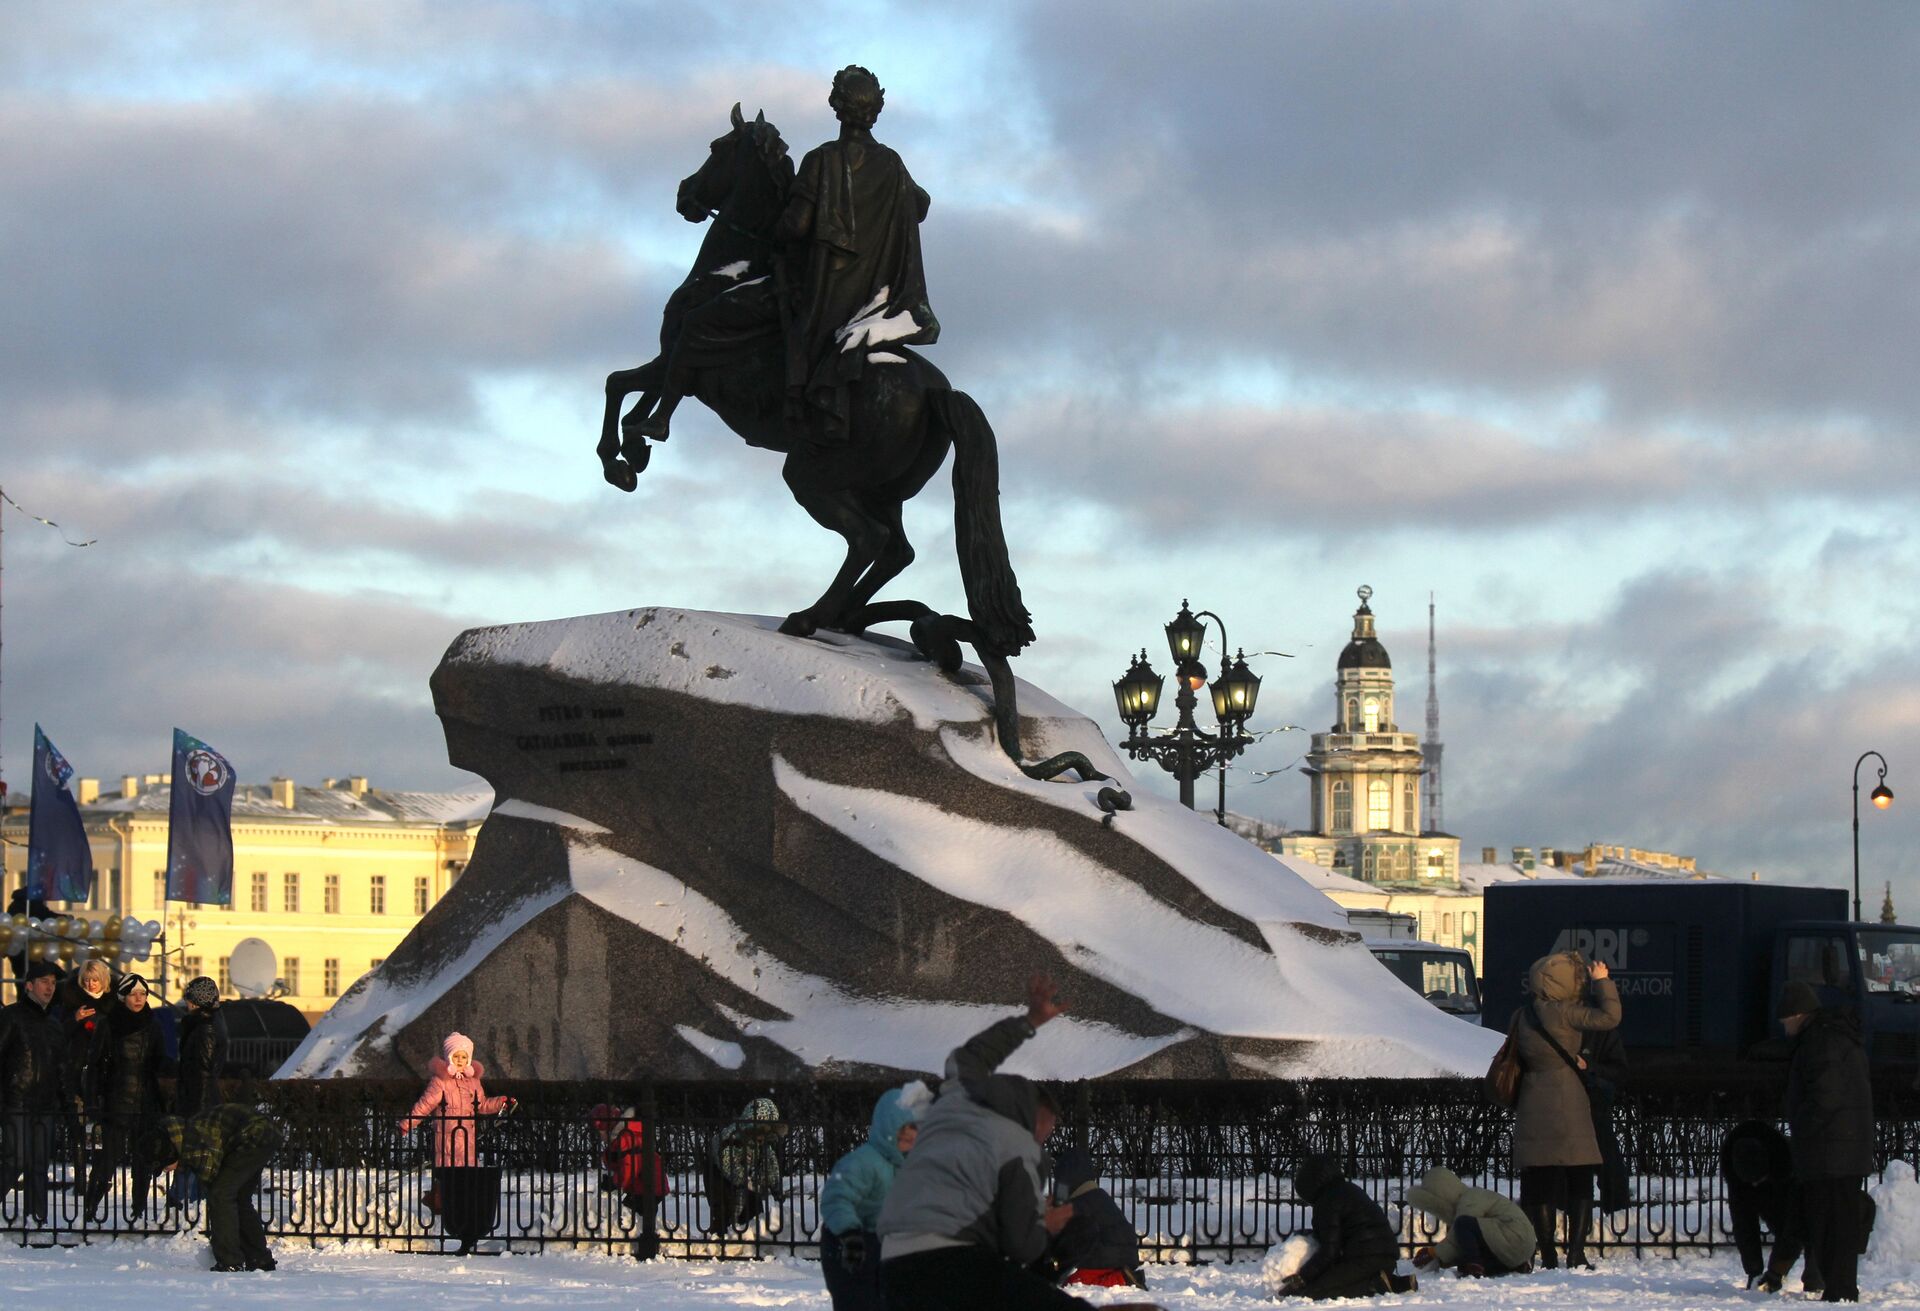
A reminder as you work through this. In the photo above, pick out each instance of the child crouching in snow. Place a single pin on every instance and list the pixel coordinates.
(1486, 1233)
(851, 1199)
(742, 1169)
(1357, 1249)
(1099, 1245)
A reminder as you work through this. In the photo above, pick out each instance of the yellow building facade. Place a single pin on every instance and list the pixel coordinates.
(330, 877)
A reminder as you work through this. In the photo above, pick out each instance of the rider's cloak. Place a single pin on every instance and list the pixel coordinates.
(859, 226)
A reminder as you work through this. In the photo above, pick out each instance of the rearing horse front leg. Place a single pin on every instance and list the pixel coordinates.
(623, 473)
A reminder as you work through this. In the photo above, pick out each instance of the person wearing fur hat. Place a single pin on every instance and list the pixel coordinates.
(129, 1059)
(741, 1169)
(454, 1101)
(203, 1049)
(632, 1170)
(850, 1199)
(34, 1085)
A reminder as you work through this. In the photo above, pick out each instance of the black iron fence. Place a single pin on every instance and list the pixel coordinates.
(1201, 1169)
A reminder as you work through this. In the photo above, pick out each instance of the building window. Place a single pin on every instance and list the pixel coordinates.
(1446, 922)
(190, 966)
(1436, 862)
(1342, 806)
(159, 887)
(290, 972)
(1379, 805)
(1353, 714)
(1408, 807)
(330, 977)
(331, 895)
(1373, 715)
(290, 893)
(377, 894)
(376, 962)
(259, 902)
(422, 894)
(225, 978)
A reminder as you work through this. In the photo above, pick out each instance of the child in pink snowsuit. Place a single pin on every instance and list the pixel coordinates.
(455, 1099)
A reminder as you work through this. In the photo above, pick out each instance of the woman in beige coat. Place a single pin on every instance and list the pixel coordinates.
(1554, 1147)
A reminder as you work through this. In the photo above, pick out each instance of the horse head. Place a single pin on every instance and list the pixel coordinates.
(746, 176)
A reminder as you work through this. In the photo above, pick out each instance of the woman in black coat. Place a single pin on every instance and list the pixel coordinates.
(203, 1050)
(129, 1057)
(1605, 1055)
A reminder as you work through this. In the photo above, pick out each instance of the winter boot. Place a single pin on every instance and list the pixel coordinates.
(1579, 1221)
(1544, 1219)
(1398, 1283)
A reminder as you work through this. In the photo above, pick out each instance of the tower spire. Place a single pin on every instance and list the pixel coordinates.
(1430, 749)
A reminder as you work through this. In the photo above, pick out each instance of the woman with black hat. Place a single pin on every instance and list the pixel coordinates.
(129, 1056)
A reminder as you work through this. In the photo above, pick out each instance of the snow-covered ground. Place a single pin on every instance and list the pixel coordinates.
(172, 1273)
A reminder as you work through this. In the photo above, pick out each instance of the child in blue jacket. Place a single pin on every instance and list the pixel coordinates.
(850, 1201)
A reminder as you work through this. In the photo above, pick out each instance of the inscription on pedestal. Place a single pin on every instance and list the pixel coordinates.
(582, 739)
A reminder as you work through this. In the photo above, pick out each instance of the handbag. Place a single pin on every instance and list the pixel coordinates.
(1503, 1076)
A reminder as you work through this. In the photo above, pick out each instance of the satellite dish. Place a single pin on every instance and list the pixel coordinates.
(251, 968)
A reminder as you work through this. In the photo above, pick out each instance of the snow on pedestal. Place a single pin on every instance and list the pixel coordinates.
(719, 851)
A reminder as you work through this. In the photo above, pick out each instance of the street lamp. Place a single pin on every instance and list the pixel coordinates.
(1882, 797)
(1189, 750)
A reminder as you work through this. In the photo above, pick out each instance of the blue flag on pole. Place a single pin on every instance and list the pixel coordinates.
(59, 858)
(200, 824)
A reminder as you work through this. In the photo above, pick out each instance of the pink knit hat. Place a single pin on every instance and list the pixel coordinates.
(456, 1042)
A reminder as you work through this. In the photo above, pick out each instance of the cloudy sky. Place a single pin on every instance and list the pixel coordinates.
(1595, 321)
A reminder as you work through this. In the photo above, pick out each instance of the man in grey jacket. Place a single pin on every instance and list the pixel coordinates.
(966, 1217)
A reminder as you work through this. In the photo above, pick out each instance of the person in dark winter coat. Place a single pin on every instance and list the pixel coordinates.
(129, 1058)
(856, 1189)
(1830, 1116)
(1099, 1246)
(1356, 1249)
(226, 1148)
(1757, 1165)
(1554, 1145)
(624, 1159)
(1604, 1053)
(84, 1001)
(741, 1169)
(203, 1050)
(966, 1218)
(34, 1087)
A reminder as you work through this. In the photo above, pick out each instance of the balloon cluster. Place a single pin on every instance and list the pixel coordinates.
(70, 940)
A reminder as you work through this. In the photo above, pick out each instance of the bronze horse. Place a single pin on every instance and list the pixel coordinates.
(905, 416)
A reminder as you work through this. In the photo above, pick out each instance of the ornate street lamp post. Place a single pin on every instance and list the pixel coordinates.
(1882, 797)
(1189, 750)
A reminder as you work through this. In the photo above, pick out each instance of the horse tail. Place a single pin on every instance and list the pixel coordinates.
(993, 593)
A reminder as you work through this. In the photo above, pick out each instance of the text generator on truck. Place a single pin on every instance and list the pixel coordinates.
(1700, 963)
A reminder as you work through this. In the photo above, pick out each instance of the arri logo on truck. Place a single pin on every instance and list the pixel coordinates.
(1640, 955)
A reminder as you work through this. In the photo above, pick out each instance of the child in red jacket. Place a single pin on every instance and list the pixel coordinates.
(640, 1182)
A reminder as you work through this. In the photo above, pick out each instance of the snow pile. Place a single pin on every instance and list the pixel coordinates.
(1896, 1229)
(825, 1023)
(1284, 1261)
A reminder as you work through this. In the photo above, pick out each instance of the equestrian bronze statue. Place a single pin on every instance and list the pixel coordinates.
(797, 326)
